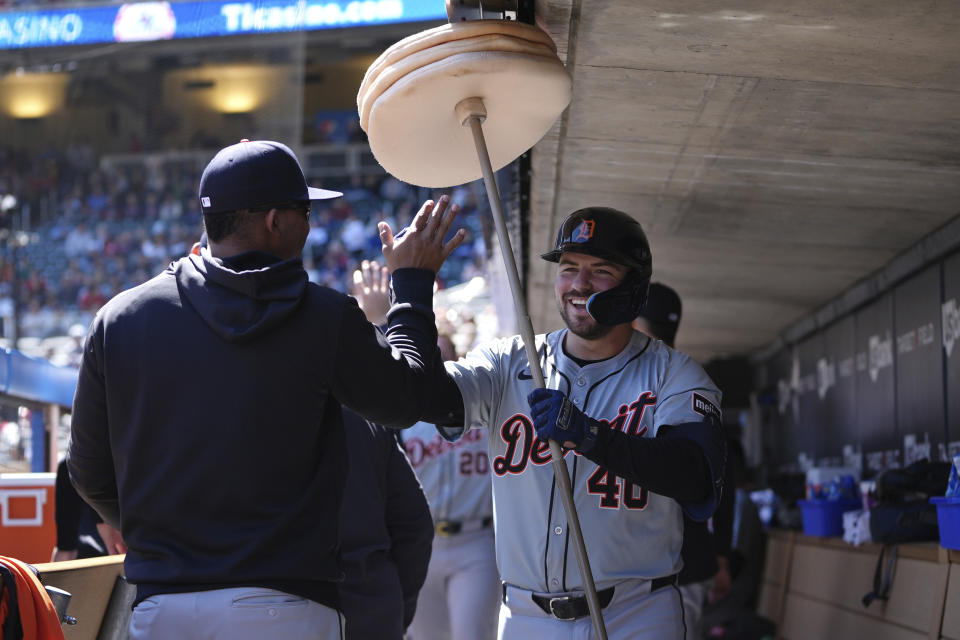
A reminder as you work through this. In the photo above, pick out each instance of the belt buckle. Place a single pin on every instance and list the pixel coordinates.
(560, 600)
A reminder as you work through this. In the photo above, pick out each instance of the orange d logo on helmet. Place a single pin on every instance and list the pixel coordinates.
(583, 232)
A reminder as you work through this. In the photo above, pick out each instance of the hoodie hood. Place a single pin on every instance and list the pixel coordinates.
(243, 297)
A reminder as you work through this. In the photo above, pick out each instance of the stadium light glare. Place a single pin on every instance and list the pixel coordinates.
(237, 102)
(32, 95)
(239, 88)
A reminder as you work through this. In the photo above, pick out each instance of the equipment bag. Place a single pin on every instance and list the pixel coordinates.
(917, 481)
(894, 522)
(903, 512)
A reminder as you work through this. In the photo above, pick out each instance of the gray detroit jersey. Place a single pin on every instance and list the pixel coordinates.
(455, 475)
(629, 532)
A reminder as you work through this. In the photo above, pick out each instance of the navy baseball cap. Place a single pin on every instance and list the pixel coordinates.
(252, 174)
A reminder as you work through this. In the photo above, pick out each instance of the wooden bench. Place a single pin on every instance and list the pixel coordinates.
(812, 588)
(101, 598)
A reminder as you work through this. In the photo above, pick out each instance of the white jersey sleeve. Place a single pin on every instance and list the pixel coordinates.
(481, 376)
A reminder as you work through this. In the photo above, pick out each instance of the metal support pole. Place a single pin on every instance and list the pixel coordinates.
(38, 442)
(472, 112)
(51, 416)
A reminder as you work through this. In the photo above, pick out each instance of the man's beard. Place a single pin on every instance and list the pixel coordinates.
(588, 329)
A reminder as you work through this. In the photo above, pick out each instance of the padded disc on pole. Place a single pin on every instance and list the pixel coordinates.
(449, 33)
(414, 131)
(394, 71)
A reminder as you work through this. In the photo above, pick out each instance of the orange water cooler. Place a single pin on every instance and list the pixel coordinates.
(28, 531)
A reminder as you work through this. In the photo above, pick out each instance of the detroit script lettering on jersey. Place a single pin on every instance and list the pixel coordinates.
(524, 446)
(421, 450)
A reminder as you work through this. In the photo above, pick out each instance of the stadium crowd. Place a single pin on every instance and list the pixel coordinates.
(86, 240)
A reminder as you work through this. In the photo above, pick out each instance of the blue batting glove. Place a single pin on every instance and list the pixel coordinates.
(555, 417)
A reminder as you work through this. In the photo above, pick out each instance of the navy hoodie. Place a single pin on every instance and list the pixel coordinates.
(207, 426)
(387, 534)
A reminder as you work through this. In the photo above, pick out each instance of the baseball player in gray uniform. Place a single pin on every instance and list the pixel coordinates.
(461, 595)
(640, 426)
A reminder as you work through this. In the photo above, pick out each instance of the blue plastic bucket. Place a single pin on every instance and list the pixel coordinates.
(825, 517)
(948, 517)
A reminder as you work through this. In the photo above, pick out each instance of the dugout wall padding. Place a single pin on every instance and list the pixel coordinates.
(950, 343)
(838, 381)
(811, 438)
(875, 387)
(919, 371)
(781, 432)
(875, 391)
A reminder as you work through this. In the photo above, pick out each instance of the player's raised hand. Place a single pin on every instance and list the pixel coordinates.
(555, 417)
(371, 288)
(421, 244)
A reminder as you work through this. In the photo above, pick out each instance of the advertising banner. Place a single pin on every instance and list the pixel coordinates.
(146, 21)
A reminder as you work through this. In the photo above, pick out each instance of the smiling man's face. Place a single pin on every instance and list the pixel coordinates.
(579, 276)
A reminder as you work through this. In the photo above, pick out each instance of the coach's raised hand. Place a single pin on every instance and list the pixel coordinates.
(421, 244)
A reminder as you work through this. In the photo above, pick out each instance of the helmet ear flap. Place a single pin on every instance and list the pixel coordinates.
(622, 303)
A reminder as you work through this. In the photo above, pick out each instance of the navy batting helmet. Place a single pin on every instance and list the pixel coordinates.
(615, 236)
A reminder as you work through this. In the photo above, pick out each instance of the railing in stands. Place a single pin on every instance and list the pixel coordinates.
(319, 160)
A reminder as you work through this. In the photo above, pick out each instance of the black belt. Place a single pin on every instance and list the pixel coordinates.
(573, 607)
(446, 528)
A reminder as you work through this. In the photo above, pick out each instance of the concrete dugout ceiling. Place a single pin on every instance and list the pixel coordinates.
(775, 152)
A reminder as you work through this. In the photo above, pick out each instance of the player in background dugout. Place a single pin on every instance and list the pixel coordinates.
(385, 534)
(704, 576)
(734, 616)
(386, 529)
(460, 596)
(81, 533)
(207, 425)
(642, 421)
